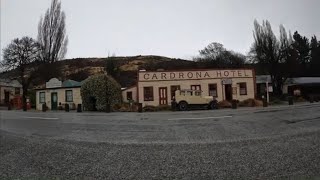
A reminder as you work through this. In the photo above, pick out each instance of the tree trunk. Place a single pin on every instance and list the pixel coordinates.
(24, 99)
(278, 89)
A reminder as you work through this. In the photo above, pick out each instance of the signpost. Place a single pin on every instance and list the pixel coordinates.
(267, 88)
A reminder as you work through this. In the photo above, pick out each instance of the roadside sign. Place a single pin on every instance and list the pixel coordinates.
(270, 89)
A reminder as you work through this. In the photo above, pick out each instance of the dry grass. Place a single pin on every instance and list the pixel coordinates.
(157, 108)
(125, 107)
(300, 99)
(224, 104)
(250, 103)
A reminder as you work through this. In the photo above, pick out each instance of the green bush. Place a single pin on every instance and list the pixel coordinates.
(101, 89)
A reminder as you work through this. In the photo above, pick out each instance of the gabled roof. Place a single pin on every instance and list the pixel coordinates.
(10, 83)
(263, 79)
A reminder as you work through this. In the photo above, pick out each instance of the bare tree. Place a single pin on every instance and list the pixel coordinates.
(272, 54)
(216, 55)
(21, 55)
(52, 34)
(53, 40)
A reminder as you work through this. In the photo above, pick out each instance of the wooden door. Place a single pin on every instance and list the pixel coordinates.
(228, 91)
(163, 96)
(6, 97)
(54, 101)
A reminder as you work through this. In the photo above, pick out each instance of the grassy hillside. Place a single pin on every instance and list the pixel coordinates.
(80, 68)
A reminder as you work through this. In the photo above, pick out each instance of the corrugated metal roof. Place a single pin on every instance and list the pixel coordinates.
(71, 83)
(263, 79)
(10, 83)
(303, 80)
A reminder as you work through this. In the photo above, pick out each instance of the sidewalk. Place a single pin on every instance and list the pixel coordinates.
(270, 107)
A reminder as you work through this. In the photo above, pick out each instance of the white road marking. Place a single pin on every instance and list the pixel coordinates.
(218, 117)
(46, 118)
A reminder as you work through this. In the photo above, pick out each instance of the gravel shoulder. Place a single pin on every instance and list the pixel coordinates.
(37, 157)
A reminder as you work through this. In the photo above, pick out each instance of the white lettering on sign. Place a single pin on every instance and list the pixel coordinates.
(53, 83)
(181, 75)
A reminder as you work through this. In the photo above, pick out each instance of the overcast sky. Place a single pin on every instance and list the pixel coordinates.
(173, 28)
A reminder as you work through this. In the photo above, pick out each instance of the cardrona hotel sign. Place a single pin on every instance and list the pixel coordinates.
(189, 75)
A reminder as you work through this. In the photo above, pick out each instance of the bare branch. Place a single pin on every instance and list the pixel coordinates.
(52, 34)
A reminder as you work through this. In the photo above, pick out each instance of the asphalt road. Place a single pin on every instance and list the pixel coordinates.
(247, 143)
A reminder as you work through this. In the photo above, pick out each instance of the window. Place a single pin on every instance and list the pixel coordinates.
(197, 93)
(17, 91)
(148, 93)
(243, 88)
(182, 93)
(213, 90)
(195, 87)
(129, 95)
(173, 90)
(69, 96)
(42, 97)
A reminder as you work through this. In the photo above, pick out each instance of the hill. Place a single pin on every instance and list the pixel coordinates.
(80, 68)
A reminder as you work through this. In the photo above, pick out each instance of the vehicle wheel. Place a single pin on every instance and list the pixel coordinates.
(213, 105)
(183, 106)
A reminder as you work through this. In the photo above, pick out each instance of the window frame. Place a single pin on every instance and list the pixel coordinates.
(245, 87)
(17, 89)
(129, 92)
(197, 85)
(216, 88)
(44, 97)
(151, 97)
(66, 95)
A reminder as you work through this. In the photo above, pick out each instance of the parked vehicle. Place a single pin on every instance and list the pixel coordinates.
(190, 98)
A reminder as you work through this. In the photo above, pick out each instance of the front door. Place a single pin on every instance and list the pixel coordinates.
(228, 91)
(6, 97)
(163, 96)
(54, 101)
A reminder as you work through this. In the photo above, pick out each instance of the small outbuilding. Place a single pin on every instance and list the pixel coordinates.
(9, 90)
(302, 86)
(57, 93)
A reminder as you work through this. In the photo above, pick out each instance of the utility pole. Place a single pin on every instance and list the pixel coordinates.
(267, 87)
(107, 95)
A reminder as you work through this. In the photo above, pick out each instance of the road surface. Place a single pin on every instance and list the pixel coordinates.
(247, 143)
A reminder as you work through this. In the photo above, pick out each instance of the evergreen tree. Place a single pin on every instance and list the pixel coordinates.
(315, 56)
(302, 45)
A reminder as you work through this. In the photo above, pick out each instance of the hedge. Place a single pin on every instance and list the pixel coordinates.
(102, 88)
